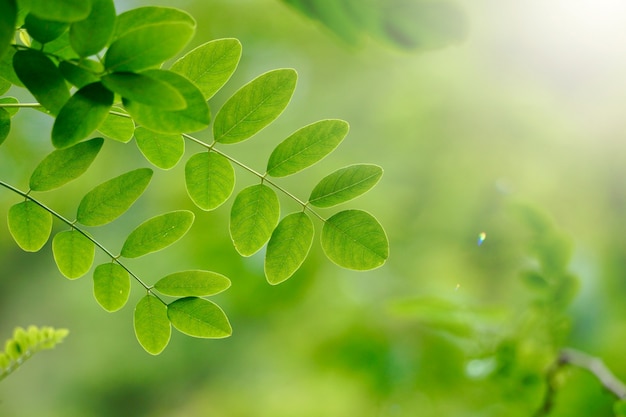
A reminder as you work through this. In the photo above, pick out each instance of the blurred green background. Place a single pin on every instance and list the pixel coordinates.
(528, 107)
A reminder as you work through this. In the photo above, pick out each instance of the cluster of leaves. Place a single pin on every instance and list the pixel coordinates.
(95, 71)
(25, 343)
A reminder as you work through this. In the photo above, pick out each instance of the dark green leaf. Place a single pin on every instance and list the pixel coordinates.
(60, 47)
(157, 233)
(44, 30)
(145, 89)
(81, 73)
(147, 16)
(192, 283)
(254, 106)
(73, 253)
(111, 286)
(90, 35)
(161, 149)
(30, 225)
(210, 179)
(6, 67)
(288, 247)
(118, 127)
(152, 327)
(60, 10)
(345, 184)
(253, 217)
(198, 317)
(5, 124)
(8, 20)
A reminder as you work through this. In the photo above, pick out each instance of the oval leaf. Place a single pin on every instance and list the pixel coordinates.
(152, 327)
(60, 10)
(8, 19)
(157, 233)
(161, 149)
(345, 184)
(198, 317)
(10, 100)
(253, 217)
(210, 65)
(306, 146)
(6, 67)
(254, 106)
(210, 179)
(44, 30)
(81, 73)
(83, 113)
(73, 253)
(196, 283)
(145, 90)
(5, 124)
(111, 286)
(117, 126)
(30, 225)
(288, 247)
(355, 240)
(64, 165)
(140, 17)
(90, 35)
(111, 199)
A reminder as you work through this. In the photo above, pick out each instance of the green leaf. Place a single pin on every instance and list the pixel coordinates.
(60, 47)
(619, 408)
(8, 19)
(152, 327)
(6, 67)
(83, 113)
(288, 247)
(147, 16)
(210, 65)
(111, 286)
(145, 90)
(90, 35)
(81, 73)
(30, 225)
(161, 149)
(64, 165)
(60, 10)
(253, 217)
(5, 124)
(345, 184)
(198, 317)
(44, 30)
(42, 78)
(196, 283)
(116, 127)
(254, 106)
(195, 117)
(157, 233)
(306, 146)
(109, 200)
(4, 84)
(10, 100)
(73, 253)
(355, 240)
(210, 179)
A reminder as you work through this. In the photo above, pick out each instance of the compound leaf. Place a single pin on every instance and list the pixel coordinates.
(111, 199)
(254, 106)
(73, 253)
(288, 247)
(90, 35)
(345, 184)
(253, 217)
(30, 225)
(5, 124)
(152, 327)
(157, 233)
(117, 127)
(161, 149)
(144, 89)
(199, 317)
(210, 179)
(60, 10)
(8, 19)
(44, 30)
(355, 240)
(192, 283)
(111, 286)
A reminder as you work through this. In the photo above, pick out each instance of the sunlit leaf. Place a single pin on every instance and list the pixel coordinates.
(5, 124)
(60, 47)
(44, 30)
(111, 199)
(345, 184)
(4, 84)
(355, 240)
(157, 233)
(253, 217)
(199, 317)
(8, 19)
(210, 65)
(145, 89)
(81, 73)
(210, 179)
(64, 165)
(6, 67)
(306, 146)
(254, 106)
(88, 36)
(111, 286)
(192, 283)
(161, 149)
(30, 225)
(152, 327)
(288, 247)
(73, 253)
(60, 10)
(140, 17)
(117, 127)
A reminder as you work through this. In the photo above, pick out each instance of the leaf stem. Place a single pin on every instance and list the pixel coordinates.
(31, 105)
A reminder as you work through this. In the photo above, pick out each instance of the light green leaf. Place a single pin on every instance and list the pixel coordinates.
(60, 47)
(117, 127)
(195, 117)
(42, 78)
(161, 149)
(210, 65)
(44, 30)
(8, 19)
(345, 184)
(288, 247)
(152, 327)
(81, 73)
(64, 165)
(254, 106)
(10, 100)
(140, 17)
(4, 84)
(5, 124)
(83, 113)
(157, 233)
(253, 217)
(60, 10)
(196, 283)
(306, 146)
(111, 286)
(30, 225)
(73, 253)
(6, 67)
(210, 179)
(111, 199)
(199, 317)
(90, 35)
(355, 240)
(145, 90)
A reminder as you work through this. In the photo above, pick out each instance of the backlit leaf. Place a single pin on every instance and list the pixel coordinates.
(111, 286)
(199, 317)
(6, 67)
(73, 253)
(140, 17)
(145, 90)
(345, 184)
(192, 283)
(210, 179)
(4, 84)
(288, 247)
(30, 225)
(355, 240)
(253, 217)
(8, 19)
(5, 124)
(116, 126)
(254, 106)
(81, 73)
(109, 200)
(88, 36)
(161, 149)
(152, 327)
(10, 100)
(60, 10)
(44, 30)
(157, 233)
(60, 47)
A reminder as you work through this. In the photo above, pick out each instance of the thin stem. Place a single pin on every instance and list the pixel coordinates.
(30, 105)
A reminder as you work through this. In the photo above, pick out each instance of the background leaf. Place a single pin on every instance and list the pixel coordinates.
(145, 89)
(254, 215)
(8, 19)
(88, 36)
(345, 184)
(30, 225)
(288, 247)
(117, 127)
(198, 317)
(111, 286)
(157, 233)
(161, 149)
(60, 10)
(73, 253)
(5, 124)
(140, 17)
(210, 179)
(192, 283)
(152, 327)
